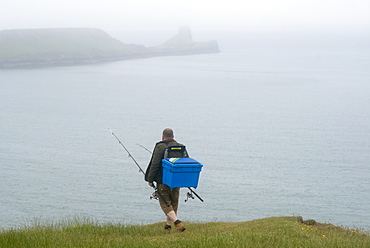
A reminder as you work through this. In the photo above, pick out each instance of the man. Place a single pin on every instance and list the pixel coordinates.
(154, 174)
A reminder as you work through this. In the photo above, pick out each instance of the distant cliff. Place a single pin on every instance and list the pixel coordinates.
(30, 47)
(70, 46)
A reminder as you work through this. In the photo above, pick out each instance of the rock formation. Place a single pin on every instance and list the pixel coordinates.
(182, 44)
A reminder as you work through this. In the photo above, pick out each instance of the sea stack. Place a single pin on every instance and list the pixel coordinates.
(183, 44)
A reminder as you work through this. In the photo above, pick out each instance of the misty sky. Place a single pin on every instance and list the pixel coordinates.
(343, 16)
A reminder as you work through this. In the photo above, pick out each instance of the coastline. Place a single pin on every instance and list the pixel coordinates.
(76, 46)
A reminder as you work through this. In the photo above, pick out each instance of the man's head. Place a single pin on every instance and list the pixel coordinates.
(167, 134)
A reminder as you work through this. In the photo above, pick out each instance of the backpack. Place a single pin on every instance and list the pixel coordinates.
(175, 151)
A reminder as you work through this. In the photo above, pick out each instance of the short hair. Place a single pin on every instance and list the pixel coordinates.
(168, 133)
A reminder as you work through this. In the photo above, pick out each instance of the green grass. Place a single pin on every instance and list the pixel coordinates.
(269, 232)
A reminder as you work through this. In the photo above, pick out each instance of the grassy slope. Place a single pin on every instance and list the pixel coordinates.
(269, 232)
(54, 43)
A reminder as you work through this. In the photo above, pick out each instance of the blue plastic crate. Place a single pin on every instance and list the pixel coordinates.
(181, 172)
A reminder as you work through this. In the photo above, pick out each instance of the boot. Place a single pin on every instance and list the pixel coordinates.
(167, 229)
(179, 226)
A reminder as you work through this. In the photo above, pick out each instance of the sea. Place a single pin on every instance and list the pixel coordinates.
(282, 128)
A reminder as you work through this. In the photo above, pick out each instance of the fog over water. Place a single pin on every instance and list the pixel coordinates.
(146, 16)
(279, 118)
(282, 129)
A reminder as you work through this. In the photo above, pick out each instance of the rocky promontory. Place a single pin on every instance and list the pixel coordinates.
(71, 46)
(183, 44)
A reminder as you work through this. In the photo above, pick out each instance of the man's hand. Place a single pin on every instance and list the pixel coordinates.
(150, 184)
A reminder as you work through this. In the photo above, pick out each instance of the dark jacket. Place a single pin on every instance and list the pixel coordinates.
(154, 171)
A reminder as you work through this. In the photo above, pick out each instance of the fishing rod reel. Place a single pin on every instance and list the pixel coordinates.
(189, 195)
(154, 195)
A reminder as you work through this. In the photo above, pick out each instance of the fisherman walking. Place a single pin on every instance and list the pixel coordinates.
(154, 174)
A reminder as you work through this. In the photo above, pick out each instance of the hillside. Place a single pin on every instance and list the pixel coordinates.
(65, 46)
(269, 232)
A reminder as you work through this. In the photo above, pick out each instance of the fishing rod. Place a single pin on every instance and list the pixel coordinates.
(156, 193)
(143, 147)
(189, 194)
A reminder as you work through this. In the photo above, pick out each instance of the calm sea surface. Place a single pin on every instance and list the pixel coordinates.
(281, 131)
